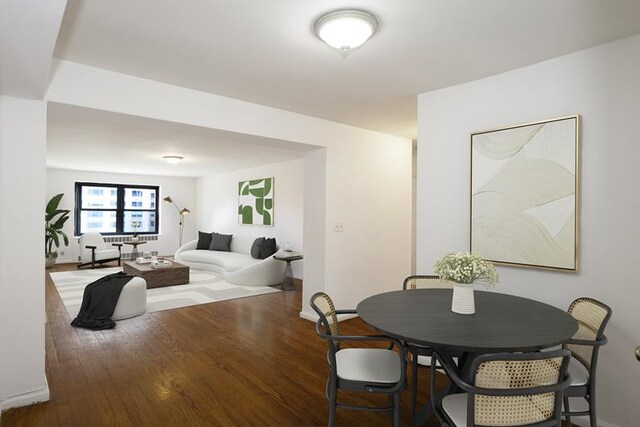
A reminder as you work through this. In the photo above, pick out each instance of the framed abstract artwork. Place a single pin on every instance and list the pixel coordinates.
(255, 202)
(524, 194)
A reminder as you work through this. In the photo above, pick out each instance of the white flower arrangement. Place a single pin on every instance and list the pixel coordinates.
(466, 267)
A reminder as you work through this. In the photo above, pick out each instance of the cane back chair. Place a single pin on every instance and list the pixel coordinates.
(420, 355)
(505, 389)
(372, 370)
(592, 317)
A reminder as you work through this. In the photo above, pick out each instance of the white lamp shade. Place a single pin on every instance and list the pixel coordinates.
(346, 29)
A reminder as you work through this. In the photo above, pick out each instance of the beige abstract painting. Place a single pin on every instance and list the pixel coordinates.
(524, 182)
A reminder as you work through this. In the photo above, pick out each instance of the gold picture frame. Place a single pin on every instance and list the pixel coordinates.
(524, 194)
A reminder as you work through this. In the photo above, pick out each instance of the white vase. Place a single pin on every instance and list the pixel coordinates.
(463, 301)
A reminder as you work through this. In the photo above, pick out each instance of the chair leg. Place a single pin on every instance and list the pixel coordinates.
(567, 417)
(414, 382)
(593, 420)
(332, 404)
(396, 409)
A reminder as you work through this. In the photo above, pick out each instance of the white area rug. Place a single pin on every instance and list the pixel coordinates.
(204, 287)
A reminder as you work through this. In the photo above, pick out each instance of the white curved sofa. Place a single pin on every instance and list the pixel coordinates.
(238, 266)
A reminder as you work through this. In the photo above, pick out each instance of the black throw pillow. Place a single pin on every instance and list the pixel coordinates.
(268, 248)
(221, 242)
(204, 240)
(255, 248)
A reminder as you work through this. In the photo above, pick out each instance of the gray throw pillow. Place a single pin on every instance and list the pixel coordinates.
(268, 248)
(221, 242)
(255, 248)
(204, 240)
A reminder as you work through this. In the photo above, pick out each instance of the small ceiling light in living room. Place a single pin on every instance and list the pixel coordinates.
(172, 159)
(346, 29)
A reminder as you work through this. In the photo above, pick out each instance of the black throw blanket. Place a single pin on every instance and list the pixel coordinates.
(99, 302)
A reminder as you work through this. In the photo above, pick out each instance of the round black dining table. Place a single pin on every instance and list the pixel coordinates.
(501, 323)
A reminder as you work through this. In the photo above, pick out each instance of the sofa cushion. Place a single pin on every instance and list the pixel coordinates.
(268, 248)
(204, 240)
(255, 248)
(221, 242)
(229, 261)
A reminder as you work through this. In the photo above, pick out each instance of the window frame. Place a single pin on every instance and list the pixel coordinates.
(119, 210)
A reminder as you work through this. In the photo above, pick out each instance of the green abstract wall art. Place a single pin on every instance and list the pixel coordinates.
(255, 202)
(524, 194)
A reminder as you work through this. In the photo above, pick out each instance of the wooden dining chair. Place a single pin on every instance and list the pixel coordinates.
(505, 389)
(420, 355)
(371, 370)
(592, 317)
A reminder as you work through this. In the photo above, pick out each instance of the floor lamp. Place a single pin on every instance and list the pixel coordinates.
(182, 212)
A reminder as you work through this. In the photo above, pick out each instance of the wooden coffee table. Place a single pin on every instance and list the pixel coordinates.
(177, 274)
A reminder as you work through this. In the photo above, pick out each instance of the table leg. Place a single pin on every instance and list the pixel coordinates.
(287, 280)
(427, 411)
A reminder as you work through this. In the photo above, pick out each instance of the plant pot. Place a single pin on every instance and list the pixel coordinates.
(50, 260)
(463, 301)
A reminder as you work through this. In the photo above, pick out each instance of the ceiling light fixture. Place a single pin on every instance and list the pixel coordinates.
(346, 29)
(173, 159)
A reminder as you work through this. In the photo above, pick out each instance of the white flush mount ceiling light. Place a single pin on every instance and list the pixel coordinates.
(173, 159)
(346, 29)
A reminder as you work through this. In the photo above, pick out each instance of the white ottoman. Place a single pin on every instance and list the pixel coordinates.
(132, 301)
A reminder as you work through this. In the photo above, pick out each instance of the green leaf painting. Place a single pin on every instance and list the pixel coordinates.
(523, 194)
(255, 202)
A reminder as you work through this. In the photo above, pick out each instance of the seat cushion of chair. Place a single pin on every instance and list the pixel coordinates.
(369, 365)
(107, 254)
(455, 406)
(579, 373)
(426, 360)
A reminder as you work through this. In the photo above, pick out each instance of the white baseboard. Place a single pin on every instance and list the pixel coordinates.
(24, 399)
(307, 316)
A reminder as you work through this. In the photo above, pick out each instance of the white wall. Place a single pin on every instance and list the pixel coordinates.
(181, 190)
(602, 84)
(218, 205)
(315, 227)
(366, 180)
(22, 187)
(368, 190)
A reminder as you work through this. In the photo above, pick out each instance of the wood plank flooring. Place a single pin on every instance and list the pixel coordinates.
(246, 362)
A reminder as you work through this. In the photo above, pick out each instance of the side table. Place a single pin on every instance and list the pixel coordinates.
(134, 243)
(287, 280)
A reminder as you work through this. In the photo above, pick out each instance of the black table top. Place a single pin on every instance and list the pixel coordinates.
(501, 322)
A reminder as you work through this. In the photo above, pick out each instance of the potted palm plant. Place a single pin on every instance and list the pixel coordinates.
(54, 220)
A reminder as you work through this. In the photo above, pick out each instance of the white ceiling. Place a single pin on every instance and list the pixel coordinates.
(92, 140)
(28, 30)
(265, 52)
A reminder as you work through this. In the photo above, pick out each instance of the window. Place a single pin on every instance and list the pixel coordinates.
(112, 209)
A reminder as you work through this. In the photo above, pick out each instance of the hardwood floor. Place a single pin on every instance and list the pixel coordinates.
(246, 362)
